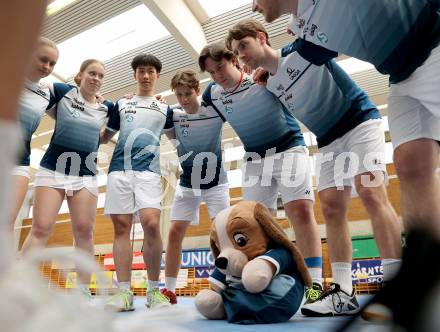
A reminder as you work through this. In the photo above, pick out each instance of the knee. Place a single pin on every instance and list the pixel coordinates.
(84, 230)
(121, 227)
(303, 212)
(176, 233)
(332, 210)
(409, 168)
(41, 230)
(151, 229)
(372, 197)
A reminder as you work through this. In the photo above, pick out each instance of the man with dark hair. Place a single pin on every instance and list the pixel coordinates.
(134, 181)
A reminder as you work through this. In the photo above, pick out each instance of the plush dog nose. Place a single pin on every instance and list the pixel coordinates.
(221, 263)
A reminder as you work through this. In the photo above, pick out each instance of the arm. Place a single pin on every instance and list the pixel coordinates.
(106, 135)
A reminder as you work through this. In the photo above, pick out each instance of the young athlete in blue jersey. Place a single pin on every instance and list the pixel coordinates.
(198, 132)
(401, 39)
(33, 104)
(134, 180)
(324, 98)
(68, 168)
(276, 158)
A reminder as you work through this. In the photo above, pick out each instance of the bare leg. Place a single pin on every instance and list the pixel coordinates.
(20, 184)
(301, 215)
(150, 220)
(174, 248)
(122, 252)
(82, 207)
(384, 220)
(47, 203)
(416, 164)
(334, 208)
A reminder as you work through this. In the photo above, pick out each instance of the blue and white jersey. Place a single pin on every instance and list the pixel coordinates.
(257, 116)
(34, 101)
(396, 36)
(140, 122)
(322, 97)
(280, 257)
(75, 141)
(199, 147)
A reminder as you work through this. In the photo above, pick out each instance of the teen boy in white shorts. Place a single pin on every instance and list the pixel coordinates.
(198, 133)
(134, 181)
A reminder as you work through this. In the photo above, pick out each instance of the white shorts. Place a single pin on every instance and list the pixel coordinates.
(360, 150)
(287, 172)
(70, 183)
(414, 104)
(24, 171)
(131, 191)
(187, 202)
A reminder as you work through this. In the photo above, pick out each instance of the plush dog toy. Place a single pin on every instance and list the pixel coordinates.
(259, 275)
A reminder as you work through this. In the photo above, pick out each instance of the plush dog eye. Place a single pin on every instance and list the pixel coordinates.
(240, 239)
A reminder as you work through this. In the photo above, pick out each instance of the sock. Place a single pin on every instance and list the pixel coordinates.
(314, 265)
(9, 143)
(83, 287)
(170, 283)
(124, 285)
(152, 285)
(342, 276)
(390, 268)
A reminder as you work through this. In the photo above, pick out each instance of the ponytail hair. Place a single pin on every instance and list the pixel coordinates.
(83, 67)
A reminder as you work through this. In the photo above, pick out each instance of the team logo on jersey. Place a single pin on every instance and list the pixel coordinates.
(292, 73)
(154, 106)
(75, 113)
(41, 92)
(290, 105)
(185, 132)
(129, 118)
(322, 37)
(229, 109)
(280, 87)
(313, 29)
(300, 22)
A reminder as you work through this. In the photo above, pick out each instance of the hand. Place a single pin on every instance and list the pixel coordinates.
(129, 95)
(161, 99)
(260, 76)
(99, 98)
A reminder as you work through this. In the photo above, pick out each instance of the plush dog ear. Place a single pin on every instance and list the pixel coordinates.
(277, 234)
(215, 251)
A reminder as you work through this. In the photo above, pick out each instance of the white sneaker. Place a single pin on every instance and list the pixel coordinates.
(155, 299)
(121, 301)
(333, 302)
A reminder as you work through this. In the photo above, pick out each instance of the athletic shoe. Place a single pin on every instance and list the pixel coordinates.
(169, 294)
(313, 293)
(333, 302)
(122, 300)
(155, 299)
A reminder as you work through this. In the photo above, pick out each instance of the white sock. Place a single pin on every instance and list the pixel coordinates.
(316, 274)
(152, 284)
(390, 268)
(9, 143)
(170, 283)
(342, 276)
(83, 287)
(124, 285)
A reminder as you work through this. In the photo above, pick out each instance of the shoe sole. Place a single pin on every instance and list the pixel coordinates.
(111, 308)
(311, 313)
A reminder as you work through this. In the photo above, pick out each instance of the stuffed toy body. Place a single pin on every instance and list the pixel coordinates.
(259, 275)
